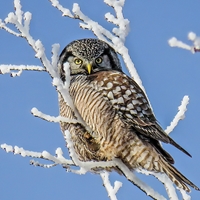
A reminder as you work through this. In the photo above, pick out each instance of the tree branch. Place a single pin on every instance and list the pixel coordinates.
(179, 116)
(173, 42)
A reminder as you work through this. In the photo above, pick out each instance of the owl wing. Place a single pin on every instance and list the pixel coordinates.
(131, 105)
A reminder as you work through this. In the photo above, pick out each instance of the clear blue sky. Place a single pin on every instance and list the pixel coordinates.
(167, 74)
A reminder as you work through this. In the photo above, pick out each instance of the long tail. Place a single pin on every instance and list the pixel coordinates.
(149, 155)
(176, 177)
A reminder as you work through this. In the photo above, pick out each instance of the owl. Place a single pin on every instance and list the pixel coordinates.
(118, 121)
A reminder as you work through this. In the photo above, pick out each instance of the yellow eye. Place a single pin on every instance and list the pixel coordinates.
(78, 61)
(99, 60)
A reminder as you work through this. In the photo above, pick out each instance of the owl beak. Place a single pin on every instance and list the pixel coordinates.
(89, 68)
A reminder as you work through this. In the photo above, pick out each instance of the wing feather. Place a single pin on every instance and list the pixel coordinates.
(131, 104)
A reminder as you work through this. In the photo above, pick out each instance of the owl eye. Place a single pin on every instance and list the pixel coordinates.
(78, 61)
(99, 60)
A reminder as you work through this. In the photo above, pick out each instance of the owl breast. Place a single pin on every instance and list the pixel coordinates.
(102, 102)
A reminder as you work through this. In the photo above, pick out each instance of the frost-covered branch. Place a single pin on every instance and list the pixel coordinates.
(179, 116)
(58, 159)
(22, 22)
(174, 42)
(110, 189)
(16, 70)
(184, 194)
(163, 178)
(85, 167)
(49, 118)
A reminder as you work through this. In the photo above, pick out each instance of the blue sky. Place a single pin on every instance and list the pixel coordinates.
(167, 74)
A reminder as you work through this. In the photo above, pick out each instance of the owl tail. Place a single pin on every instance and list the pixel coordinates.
(176, 177)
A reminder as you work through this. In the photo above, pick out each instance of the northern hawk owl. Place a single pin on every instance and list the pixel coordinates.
(119, 122)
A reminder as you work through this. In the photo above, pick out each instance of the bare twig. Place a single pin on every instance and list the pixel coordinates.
(179, 116)
(9, 69)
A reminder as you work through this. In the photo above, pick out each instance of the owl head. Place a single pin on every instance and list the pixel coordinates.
(88, 56)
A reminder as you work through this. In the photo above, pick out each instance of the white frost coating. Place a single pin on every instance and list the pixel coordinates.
(180, 115)
(64, 88)
(184, 194)
(18, 10)
(67, 74)
(55, 55)
(3, 26)
(59, 152)
(49, 118)
(117, 186)
(12, 18)
(20, 150)
(163, 178)
(65, 11)
(44, 155)
(143, 186)
(7, 148)
(192, 36)
(27, 20)
(72, 152)
(24, 153)
(40, 49)
(59, 159)
(119, 20)
(4, 69)
(23, 28)
(106, 182)
(47, 155)
(196, 40)
(37, 164)
(173, 42)
(14, 74)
